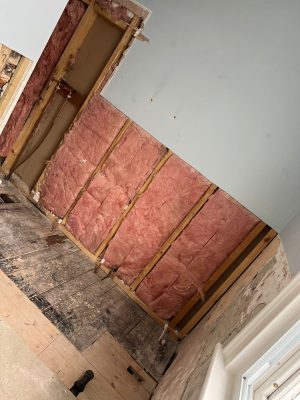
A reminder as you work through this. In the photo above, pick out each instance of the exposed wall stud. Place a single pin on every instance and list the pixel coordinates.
(218, 273)
(142, 189)
(73, 46)
(268, 237)
(174, 236)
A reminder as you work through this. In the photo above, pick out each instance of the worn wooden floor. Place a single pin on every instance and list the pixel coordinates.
(108, 360)
(60, 280)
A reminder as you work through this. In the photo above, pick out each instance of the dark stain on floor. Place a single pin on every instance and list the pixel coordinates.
(55, 239)
(59, 279)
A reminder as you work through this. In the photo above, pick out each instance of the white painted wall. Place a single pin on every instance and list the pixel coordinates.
(26, 25)
(290, 236)
(229, 71)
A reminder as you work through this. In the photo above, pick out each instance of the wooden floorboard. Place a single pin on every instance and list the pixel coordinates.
(61, 282)
(45, 340)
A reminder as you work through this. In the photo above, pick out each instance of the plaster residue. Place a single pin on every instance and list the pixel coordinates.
(116, 10)
(257, 287)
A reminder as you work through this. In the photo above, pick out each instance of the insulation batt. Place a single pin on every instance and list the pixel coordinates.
(84, 146)
(113, 188)
(45, 66)
(211, 236)
(171, 195)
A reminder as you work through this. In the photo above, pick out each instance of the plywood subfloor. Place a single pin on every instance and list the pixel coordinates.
(85, 308)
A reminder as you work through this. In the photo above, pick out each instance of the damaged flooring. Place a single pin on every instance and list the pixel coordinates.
(108, 360)
(60, 280)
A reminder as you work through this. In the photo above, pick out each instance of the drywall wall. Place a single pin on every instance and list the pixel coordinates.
(26, 26)
(256, 288)
(229, 73)
(290, 236)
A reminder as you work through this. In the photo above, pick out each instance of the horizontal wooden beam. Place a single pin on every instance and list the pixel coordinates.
(197, 207)
(131, 6)
(115, 58)
(118, 22)
(230, 280)
(142, 189)
(107, 15)
(218, 273)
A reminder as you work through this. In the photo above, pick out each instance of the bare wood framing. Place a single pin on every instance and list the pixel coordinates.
(13, 85)
(132, 6)
(118, 22)
(104, 75)
(123, 44)
(99, 84)
(4, 55)
(108, 69)
(143, 188)
(39, 182)
(113, 145)
(73, 46)
(200, 203)
(228, 282)
(107, 15)
(219, 272)
(234, 255)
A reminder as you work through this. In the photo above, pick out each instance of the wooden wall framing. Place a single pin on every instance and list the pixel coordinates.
(231, 268)
(221, 280)
(16, 80)
(77, 39)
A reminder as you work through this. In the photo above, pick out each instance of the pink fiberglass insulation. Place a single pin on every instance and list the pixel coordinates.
(113, 188)
(41, 73)
(171, 195)
(210, 237)
(84, 146)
